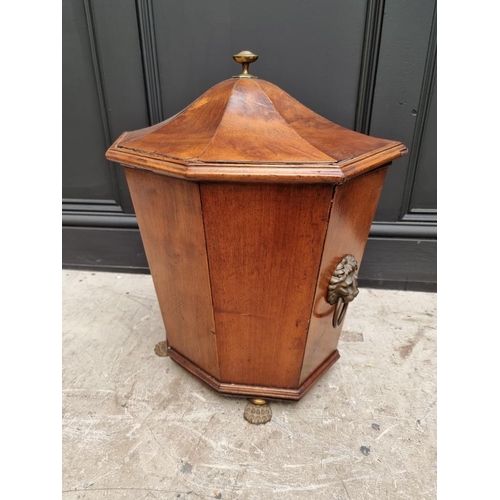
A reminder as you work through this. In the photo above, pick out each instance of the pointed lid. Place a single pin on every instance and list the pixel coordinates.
(246, 129)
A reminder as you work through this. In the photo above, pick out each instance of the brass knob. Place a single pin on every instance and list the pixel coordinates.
(245, 58)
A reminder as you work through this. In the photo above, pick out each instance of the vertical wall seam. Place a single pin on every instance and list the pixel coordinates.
(316, 282)
(147, 36)
(369, 64)
(210, 284)
(101, 91)
(424, 103)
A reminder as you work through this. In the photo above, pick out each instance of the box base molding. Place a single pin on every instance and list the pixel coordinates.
(253, 391)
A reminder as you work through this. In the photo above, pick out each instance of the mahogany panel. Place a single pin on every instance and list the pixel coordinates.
(251, 130)
(332, 139)
(354, 205)
(246, 130)
(188, 133)
(252, 391)
(170, 221)
(264, 249)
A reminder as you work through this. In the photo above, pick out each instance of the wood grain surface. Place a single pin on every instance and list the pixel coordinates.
(241, 261)
(333, 140)
(186, 134)
(252, 131)
(354, 205)
(264, 249)
(170, 220)
(253, 391)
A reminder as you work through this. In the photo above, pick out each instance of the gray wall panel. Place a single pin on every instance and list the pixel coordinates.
(86, 173)
(367, 64)
(103, 249)
(403, 53)
(103, 95)
(312, 49)
(400, 260)
(423, 196)
(121, 62)
(119, 51)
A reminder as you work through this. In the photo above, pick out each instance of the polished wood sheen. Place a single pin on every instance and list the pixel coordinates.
(246, 202)
(264, 250)
(170, 219)
(249, 130)
(263, 391)
(354, 205)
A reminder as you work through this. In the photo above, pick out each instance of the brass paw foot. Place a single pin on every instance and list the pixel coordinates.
(257, 412)
(161, 349)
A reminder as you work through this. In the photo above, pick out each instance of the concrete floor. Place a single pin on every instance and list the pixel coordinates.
(136, 426)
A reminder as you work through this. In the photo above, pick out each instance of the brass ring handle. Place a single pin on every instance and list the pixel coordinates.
(343, 288)
(339, 312)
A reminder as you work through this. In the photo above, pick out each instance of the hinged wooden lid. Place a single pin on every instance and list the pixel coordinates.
(246, 129)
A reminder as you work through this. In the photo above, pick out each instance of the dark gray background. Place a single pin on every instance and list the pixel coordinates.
(367, 65)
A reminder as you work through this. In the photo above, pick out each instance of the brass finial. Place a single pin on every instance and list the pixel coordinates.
(245, 57)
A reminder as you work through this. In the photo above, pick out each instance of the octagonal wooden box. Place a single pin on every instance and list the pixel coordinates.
(247, 202)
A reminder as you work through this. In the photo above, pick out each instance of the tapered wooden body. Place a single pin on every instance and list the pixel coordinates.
(246, 202)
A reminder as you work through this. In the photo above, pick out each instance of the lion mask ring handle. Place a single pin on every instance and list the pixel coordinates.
(343, 288)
